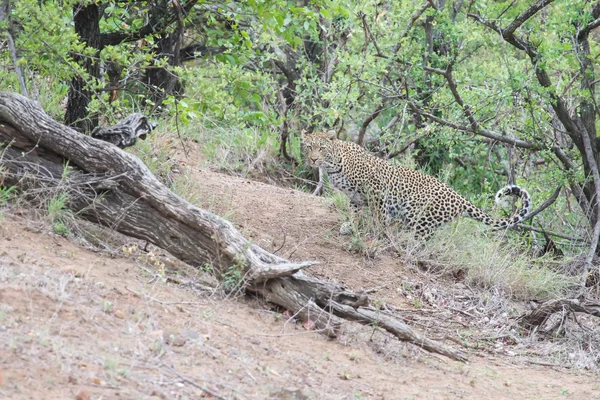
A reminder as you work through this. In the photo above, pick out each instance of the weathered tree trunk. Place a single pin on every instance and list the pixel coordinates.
(540, 315)
(115, 189)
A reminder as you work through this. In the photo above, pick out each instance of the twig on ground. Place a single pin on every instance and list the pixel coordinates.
(193, 382)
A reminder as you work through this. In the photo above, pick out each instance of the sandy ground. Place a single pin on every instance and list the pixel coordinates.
(79, 324)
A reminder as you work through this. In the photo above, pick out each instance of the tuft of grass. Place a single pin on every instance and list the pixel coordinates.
(236, 149)
(59, 214)
(493, 261)
(6, 193)
(364, 229)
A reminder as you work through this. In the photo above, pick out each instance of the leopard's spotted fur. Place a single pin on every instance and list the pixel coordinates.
(420, 201)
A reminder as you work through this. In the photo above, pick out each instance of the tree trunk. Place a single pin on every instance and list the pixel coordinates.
(162, 82)
(113, 188)
(86, 20)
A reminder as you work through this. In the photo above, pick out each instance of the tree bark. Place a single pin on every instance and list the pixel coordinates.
(111, 187)
(87, 26)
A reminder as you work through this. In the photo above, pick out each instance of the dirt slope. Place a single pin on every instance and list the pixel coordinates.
(79, 323)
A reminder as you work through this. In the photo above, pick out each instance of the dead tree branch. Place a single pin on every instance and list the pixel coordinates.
(366, 123)
(541, 314)
(549, 201)
(589, 153)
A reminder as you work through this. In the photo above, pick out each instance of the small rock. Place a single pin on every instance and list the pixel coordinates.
(119, 314)
(346, 229)
(309, 324)
(190, 334)
(175, 339)
(83, 394)
(290, 394)
(72, 271)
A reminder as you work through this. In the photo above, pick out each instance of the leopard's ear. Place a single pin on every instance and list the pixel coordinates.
(332, 134)
(303, 134)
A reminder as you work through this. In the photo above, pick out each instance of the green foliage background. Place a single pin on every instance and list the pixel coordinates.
(371, 53)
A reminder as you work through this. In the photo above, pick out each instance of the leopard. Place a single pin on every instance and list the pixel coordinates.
(416, 200)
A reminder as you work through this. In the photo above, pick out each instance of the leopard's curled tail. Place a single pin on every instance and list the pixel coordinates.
(510, 190)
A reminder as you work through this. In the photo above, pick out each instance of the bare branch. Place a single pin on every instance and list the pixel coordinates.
(459, 100)
(367, 121)
(428, 4)
(525, 15)
(5, 14)
(482, 131)
(485, 22)
(589, 153)
(545, 204)
(549, 233)
(589, 27)
(370, 35)
(406, 146)
(541, 314)
(435, 70)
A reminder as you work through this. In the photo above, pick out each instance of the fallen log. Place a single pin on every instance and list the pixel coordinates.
(541, 313)
(114, 188)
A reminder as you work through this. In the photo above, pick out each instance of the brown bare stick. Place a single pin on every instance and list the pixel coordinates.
(549, 233)
(365, 124)
(115, 189)
(370, 35)
(525, 15)
(394, 326)
(428, 4)
(482, 131)
(549, 201)
(405, 147)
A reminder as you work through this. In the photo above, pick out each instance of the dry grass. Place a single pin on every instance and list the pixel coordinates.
(491, 261)
(486, 277)
(236, 150)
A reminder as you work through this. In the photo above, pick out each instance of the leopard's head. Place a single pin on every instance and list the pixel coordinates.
(318, 148)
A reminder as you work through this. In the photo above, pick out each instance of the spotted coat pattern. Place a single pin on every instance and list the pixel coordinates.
(420, 201)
